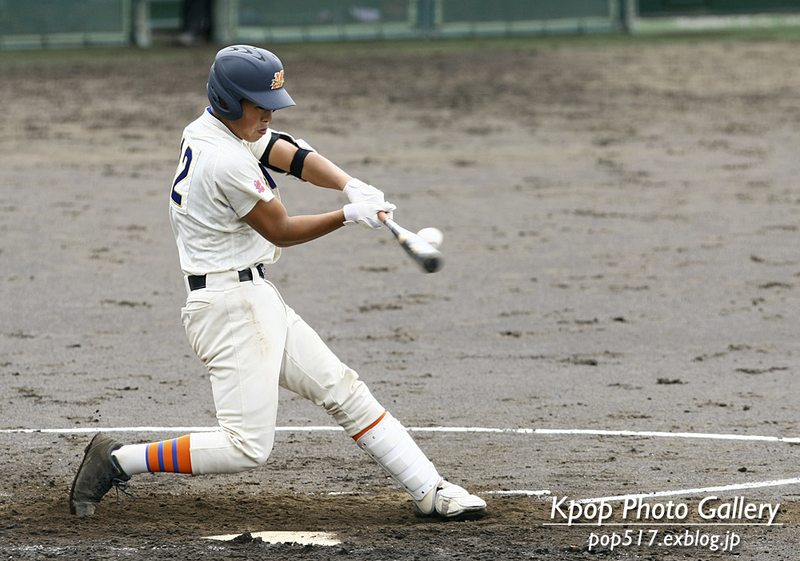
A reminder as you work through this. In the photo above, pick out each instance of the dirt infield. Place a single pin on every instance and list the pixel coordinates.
(621, 228)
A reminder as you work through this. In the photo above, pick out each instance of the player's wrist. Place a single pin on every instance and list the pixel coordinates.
(352, 187)
(358, 191)
(350, 212)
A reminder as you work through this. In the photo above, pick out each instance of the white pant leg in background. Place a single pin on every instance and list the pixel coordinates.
(311, 370)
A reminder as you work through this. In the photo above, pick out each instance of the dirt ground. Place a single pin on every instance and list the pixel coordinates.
(621, 233)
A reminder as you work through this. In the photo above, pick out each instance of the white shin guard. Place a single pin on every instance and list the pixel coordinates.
(392, 447)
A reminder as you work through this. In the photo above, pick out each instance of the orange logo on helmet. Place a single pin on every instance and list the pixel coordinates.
(277, 81)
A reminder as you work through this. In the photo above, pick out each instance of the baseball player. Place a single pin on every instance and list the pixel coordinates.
(230, 225)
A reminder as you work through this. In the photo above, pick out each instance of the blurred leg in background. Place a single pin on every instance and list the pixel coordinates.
(196, 22)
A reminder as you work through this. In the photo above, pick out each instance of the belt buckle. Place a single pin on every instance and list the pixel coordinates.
(261, 270)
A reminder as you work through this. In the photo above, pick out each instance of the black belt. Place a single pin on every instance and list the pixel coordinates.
(196, 282)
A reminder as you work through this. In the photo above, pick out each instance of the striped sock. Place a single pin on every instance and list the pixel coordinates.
(169, 455)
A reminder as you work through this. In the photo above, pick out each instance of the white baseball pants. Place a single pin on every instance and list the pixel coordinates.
(252, 342)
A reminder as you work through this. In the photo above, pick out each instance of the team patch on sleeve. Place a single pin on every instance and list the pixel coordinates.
(259, 185)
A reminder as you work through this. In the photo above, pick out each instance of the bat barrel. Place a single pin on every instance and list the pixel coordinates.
(433, 263)
(428, 257)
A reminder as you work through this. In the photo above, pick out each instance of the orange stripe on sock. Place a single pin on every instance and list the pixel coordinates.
(152, 457)
(366, 430)
(170, 456)
(184, 458)
(169, 459)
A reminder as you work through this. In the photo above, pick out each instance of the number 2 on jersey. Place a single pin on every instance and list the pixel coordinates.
(182, 174)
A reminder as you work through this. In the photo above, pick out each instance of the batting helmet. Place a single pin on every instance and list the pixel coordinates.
(244, 72)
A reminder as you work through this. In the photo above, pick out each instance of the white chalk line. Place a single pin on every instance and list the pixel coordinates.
(474, 430)
(697, 491)
(523, 431)
(525, 492)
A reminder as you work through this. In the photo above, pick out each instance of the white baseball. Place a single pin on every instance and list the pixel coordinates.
(433, 236)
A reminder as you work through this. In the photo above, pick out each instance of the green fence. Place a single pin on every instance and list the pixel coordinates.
(265, 20)
(164, 14)
(302, 20)
(655, 8)
(65, 23)
(510, 17)
(664, 16)
(57, 23)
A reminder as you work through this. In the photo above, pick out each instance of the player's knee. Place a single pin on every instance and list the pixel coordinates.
(253, 451)
(352, 405)
(259, 450)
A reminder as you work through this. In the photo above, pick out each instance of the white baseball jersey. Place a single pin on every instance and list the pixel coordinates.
(218, 181)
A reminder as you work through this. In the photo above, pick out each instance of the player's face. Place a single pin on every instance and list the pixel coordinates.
(253, 123)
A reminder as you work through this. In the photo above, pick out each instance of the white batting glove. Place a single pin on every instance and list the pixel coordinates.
(358, 192)
(366, 213)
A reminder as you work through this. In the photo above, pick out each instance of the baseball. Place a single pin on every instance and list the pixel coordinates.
(433, 236)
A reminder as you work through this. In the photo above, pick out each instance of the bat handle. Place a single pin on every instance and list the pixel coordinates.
(382, 216)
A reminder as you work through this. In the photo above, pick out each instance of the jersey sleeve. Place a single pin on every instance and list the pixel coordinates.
(242, 184)
(258, 147)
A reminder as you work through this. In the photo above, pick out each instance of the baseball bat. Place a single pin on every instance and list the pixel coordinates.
(428, 257)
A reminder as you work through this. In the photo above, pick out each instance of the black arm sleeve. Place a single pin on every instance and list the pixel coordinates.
(265, 156)
(296, 168)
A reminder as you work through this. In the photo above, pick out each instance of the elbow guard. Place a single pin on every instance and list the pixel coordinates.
(298, 161)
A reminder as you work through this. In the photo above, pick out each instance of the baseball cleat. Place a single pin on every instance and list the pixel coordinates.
(450, 502)
(98, 473)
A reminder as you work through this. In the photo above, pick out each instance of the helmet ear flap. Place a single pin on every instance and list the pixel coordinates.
(223, 103)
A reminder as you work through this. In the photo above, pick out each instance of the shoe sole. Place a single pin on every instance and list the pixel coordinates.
(473, 514)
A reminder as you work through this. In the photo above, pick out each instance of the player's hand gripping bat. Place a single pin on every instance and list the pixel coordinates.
(429, 258)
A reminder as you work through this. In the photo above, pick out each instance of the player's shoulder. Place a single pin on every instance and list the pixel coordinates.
(206, 125)
(208, 134)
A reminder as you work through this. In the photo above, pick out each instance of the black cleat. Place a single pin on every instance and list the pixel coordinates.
(99, 472)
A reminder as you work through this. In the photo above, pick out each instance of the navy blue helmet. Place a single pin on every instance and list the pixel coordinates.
(245, 72)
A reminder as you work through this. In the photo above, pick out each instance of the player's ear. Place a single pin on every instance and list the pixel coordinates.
(223, 104)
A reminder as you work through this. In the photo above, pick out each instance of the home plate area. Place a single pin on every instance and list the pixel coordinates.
(301, 538)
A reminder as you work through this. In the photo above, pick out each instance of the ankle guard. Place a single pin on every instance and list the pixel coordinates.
(393, 448)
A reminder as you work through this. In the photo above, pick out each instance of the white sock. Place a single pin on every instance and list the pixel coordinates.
(131, 458)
